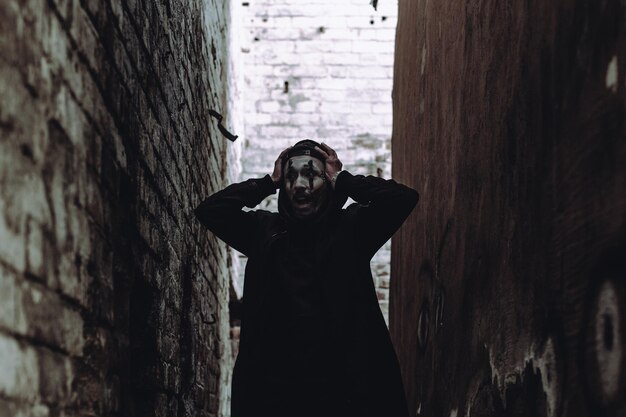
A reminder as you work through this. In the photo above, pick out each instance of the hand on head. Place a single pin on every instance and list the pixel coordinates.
(277, 175)
(332, 163)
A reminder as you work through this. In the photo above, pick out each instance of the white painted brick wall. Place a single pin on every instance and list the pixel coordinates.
(337, 58)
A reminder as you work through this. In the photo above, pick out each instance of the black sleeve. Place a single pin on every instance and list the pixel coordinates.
(383, 207)
(222, 213)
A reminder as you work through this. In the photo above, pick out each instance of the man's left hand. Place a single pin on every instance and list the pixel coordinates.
(333, 165)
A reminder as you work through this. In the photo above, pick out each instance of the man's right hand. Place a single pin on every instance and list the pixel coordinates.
(277, 175)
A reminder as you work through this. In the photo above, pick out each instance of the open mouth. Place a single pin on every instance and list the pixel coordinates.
(302, 200)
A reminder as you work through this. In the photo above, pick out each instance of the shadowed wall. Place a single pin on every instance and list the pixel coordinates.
(113, 299)
(509, 292)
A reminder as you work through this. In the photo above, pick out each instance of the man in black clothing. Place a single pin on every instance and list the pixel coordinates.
(313, 340)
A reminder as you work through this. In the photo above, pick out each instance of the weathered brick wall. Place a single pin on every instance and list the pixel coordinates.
(321, 70)
(509, 294)
(113, 301)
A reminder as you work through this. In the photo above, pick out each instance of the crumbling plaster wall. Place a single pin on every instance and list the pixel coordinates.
(113, 300)
(509, 291)
(322, 70)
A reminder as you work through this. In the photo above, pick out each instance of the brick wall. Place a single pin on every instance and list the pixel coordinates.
(509, 296)
(113, 301)
(321, 70)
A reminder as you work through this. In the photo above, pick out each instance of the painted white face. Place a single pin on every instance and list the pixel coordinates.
(305, 185)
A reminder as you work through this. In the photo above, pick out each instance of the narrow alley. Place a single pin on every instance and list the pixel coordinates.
(504, 292)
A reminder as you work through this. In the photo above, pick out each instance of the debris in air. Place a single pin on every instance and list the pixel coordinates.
(374, 3)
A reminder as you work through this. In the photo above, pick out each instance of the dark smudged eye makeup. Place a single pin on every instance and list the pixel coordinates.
(292, 175)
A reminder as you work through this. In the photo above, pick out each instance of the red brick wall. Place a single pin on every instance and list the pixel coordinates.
(113, 301)
(508, 297)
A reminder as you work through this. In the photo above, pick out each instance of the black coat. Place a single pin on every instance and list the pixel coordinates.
(345, 243)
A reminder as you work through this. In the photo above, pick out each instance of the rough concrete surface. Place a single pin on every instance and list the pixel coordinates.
(509, 292)
(113, 300)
